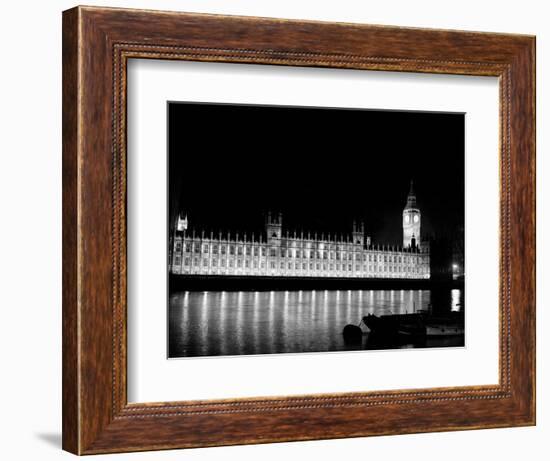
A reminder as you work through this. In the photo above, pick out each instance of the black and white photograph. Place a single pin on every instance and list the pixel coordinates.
(312, 229)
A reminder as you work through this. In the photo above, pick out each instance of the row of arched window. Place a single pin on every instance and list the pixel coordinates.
(238, 250)
(205, 263)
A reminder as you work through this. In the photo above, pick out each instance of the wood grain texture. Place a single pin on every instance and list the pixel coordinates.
(97, 43)
(70, 384)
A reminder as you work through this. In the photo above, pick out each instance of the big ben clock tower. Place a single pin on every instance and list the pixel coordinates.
(411, 221)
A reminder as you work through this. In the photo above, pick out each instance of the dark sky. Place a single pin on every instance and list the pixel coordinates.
(322, 168)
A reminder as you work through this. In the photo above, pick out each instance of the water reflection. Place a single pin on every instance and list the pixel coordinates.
(244, 323)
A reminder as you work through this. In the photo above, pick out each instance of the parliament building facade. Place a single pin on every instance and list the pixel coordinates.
(280, 254)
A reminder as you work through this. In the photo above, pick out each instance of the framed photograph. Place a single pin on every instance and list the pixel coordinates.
(280, 230)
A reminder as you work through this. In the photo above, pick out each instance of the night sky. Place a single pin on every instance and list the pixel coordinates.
(322, 168)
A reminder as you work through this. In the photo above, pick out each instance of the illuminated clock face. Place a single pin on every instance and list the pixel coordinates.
(407, 219)
(416, 219)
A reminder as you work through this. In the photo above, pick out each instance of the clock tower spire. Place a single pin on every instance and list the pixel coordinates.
(411, 221)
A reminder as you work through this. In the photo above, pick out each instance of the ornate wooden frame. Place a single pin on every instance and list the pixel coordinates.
(97, 43)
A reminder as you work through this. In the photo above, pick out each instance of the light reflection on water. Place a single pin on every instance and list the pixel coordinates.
(244, 323)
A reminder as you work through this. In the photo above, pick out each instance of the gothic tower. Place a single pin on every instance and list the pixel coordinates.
(274, 226)
(411, 221)
(358, 233)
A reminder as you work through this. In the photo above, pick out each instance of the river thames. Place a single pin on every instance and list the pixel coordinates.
(219, 323)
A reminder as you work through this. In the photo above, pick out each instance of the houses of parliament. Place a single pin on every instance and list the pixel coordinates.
(277, 253)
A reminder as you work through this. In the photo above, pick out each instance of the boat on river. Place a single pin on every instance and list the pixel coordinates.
(444, 329)
(417, 324)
